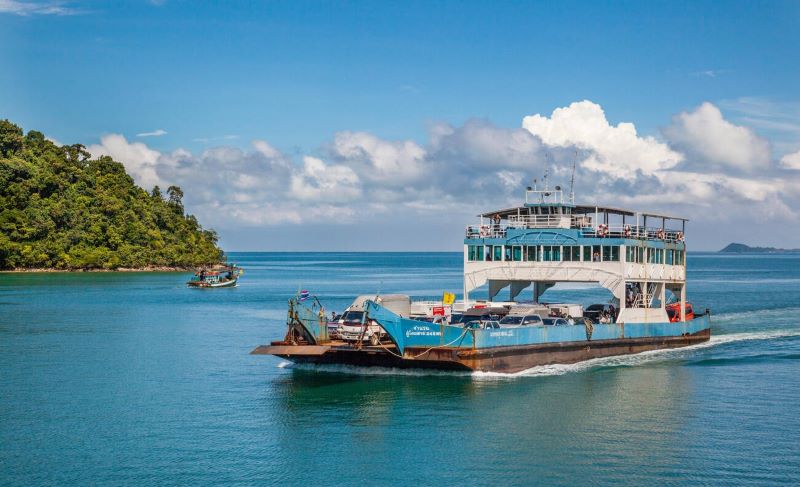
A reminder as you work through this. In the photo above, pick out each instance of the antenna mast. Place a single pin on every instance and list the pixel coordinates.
(572, 180)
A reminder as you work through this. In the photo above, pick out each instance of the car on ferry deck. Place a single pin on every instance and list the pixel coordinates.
(555, 322)
(514, 321)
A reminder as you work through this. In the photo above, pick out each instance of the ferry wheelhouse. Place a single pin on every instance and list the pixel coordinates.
(640, 258)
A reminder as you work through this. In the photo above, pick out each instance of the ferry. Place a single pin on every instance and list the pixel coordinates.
(639, 257)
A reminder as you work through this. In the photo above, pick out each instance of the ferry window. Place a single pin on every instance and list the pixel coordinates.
(533, 253)
(516, 253)
(610, 253)
(547, 253)
(475, 252)
(651, 255)
(630, 254)
(670, 258)
(660, 255)
(640, 255)
(587, 253)
(508, 253)
(572, 253)
(498, 252)
(488, 252)
(556, 253)
(595, 253)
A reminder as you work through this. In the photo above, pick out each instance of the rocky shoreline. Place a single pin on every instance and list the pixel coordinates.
(120, 269)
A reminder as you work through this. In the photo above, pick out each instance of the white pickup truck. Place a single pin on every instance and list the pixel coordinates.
(352, 324)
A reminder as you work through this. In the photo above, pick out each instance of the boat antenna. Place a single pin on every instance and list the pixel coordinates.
(572, 179)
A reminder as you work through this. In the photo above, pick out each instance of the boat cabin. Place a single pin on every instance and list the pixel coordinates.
(638, 256)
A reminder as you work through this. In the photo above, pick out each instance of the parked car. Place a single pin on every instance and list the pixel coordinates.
(513, 321)
(556, 322)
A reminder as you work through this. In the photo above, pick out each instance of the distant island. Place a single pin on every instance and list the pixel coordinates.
(737, 248)
(62, 210)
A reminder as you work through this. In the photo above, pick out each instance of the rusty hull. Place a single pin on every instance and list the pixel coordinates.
(499, 359)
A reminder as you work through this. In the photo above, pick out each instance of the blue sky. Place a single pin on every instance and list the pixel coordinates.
(298, 75)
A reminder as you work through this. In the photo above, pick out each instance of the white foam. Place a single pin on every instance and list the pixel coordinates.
(555, 369)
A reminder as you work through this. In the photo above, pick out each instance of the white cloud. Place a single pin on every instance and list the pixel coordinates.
(617, 151)
(462, 170)
(791, 161)
(324, 183)
(388, 162)
(35, 8)
(708, 137)
(139, 160)
(154, 133)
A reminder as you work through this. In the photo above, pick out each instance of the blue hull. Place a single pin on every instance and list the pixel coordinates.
(413, 334)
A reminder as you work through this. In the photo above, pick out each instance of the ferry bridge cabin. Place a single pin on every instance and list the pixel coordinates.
(636, 256)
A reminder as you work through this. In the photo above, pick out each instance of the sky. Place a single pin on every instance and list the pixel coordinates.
(389, 125)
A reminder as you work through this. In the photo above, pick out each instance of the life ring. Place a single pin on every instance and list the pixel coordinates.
(679, 237)
(602, 229)
(484, 231)
(627, 230)
(661, 234)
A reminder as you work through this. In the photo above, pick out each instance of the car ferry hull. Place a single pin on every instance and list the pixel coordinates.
(508, 359)
(417, 344)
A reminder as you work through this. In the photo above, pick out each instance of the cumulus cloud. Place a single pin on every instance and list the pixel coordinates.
(791, 161)
(141, 161)
(388, 162)
(709, 139)
(461, 170)
(325, 183)
(614, 150)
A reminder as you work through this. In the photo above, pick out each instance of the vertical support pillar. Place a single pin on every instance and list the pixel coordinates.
(683, 302)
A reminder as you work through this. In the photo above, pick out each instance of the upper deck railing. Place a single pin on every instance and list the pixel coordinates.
(583, 223)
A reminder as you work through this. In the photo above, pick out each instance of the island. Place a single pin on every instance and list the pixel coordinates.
(61, 209)
(738, 248)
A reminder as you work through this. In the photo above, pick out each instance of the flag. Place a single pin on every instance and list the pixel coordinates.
(304, 295)
(448, 298)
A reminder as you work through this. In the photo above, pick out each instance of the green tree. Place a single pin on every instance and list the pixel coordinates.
(11, 139)
(60, 208)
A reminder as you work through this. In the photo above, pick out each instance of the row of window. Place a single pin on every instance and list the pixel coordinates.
(573, 253)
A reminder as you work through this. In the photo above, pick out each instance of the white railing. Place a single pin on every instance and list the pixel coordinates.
(632, 231)
(539, 221)
(499, 230)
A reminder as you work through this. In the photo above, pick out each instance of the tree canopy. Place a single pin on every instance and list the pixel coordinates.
(59, 208)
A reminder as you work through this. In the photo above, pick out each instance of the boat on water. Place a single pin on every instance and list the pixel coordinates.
(639, 257)
(223, 275)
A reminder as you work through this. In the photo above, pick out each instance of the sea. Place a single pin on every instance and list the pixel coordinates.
(135, 379)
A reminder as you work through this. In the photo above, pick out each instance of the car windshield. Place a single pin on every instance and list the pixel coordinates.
(549, 321)
(595, 307)
(353, 316)
(532, 319)
(511, 320)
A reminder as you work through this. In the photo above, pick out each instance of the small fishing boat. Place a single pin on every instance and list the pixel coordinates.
(639, 258)
(224, 275)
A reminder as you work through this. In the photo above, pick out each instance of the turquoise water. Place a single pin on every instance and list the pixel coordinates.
(135, 379)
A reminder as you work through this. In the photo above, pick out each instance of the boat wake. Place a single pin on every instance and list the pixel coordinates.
(555, 369)
(641, 358)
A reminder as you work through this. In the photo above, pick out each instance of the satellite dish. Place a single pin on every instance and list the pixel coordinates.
(529, 188)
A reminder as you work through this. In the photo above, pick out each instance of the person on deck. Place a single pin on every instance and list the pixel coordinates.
(496, 220)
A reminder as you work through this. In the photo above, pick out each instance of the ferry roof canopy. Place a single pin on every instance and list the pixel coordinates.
(581, 210)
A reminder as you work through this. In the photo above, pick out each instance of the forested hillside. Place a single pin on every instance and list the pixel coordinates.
(59, 208)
